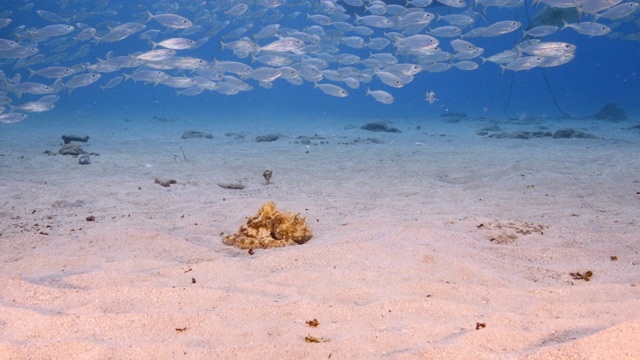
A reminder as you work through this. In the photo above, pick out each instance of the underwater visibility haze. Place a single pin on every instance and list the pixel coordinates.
(422, 58)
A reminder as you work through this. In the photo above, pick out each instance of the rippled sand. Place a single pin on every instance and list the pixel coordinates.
(420, 238)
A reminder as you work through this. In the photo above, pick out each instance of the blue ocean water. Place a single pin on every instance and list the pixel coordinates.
(604, 70)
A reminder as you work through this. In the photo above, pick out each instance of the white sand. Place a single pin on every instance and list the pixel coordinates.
(400, 265)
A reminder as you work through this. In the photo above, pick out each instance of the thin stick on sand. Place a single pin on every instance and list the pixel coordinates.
(183, 155)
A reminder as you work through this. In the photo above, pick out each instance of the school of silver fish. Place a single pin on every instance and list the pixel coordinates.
(333, 46)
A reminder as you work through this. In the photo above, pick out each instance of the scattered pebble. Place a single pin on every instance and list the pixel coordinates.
(165, 183)
(84, 159)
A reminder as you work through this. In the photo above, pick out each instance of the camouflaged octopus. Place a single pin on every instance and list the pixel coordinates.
(270, 228)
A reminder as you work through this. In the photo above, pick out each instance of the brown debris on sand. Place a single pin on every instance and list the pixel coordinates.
(165, 183)
(71, 149)
(191, 134)
(69, 138)
(379, 126)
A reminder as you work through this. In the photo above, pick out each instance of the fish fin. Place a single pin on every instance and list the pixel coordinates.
(150, 16)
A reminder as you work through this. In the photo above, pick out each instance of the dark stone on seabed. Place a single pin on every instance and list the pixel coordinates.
(572, 133)
(191, 134)
(267, 138)
(69, 138)
(165, 182)
(521, 135)
(71, 149)
(84, 159)
(379, 126)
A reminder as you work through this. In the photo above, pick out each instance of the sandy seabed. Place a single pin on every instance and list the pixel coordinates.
(420, 238)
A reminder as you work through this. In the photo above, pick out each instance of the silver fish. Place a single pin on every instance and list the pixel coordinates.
(86, 34)
(181, 82)
(12, 118)
(5, 22)
(30, 88)
(453, 3)
(446, 31)
(456, 19)
(353, 83)
(265, 74)
(34, 107)
(541, 31)
(466, 65)
(549, 49)
(237, 10)
(594, 6)
(589, 28)
(417, 43)
(332, 90)
(381, 96)
(286, 44)
(389, 79)
(375, 21)
(170, 20)
(82, 80)
(501, 28)
(558, 60)
(269, 3)
(19, 52)
(460, 45)
(117, 35)
(49, 16)
(53, 72)
(50, 31)
(148, 76)
(618, 11)
(7, 44)
(523, 63)
(156, 55)
(320, 19)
